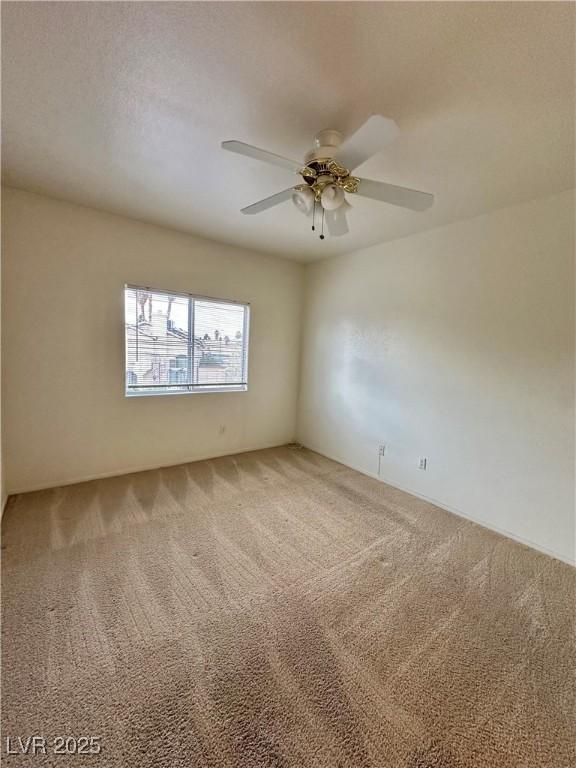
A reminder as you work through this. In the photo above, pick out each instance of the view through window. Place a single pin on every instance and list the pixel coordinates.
(181, 343)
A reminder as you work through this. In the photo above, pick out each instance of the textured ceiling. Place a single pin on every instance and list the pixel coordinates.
(122, 106)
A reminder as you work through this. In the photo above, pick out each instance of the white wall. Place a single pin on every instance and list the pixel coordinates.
(456, 344)
(65, 414)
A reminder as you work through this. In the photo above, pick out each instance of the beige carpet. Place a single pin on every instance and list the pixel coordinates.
(278, 609)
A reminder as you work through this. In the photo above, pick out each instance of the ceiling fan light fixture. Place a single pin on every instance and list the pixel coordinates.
(303, 199)
(332, 197)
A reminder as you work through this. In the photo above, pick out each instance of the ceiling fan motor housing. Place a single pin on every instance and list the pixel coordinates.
(325, 145)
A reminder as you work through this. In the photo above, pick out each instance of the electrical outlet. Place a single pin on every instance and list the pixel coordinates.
(381, 449)
(422, 463)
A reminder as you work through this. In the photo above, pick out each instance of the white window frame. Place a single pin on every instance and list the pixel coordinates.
(188, 389)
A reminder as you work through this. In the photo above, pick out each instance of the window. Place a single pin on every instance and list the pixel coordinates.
(181, 343)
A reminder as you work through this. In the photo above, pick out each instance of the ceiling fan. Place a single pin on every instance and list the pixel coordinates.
(327, 175)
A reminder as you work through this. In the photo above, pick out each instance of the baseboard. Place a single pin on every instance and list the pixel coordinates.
(453, 510)
(142, 468)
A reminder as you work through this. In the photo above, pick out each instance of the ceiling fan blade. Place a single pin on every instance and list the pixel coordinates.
(369, 139)
(261, 154)
(269, 202)
(336, 221)
(389, 193)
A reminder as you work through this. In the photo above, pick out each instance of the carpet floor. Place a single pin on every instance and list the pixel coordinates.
(277, 609)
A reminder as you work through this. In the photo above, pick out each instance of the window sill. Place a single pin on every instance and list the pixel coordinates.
(199, 391)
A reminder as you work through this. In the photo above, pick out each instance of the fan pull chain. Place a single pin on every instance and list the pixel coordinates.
(322, 232)
(313, 215)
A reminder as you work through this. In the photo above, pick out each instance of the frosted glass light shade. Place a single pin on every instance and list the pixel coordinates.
(332, 197)
(303, 199)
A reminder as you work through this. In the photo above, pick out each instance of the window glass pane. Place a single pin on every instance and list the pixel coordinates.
(219, 336)
(178, 342)
(157, 338)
